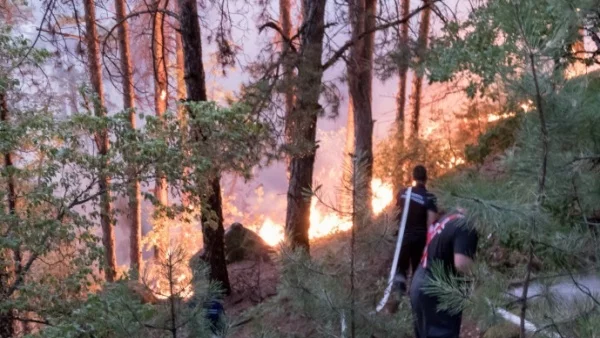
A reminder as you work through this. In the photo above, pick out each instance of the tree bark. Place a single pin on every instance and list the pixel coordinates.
(417, 85)
(288, 66)
(7, 271)
(135, 208)
(196, 91)
(181, 92)
(303, 123)
(160, 107)
(362, 14)
(403, 70)
(108, 234)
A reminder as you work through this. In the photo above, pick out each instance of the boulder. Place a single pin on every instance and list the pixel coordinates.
(244, 244)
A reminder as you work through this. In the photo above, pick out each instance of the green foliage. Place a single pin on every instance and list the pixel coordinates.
(119, 311)
(51, 253)
(542, 199)
(496, 139)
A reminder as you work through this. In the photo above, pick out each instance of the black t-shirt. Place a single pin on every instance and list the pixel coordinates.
(421, 201)
(452, 234)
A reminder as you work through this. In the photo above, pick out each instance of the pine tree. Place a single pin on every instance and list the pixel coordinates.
(135, 208)
(403, 70)
(362, 14)
(417, 85)
(538, 208)
(102, 140)
(286, 35)
(303, 122)
(212, 213)
(159, 62)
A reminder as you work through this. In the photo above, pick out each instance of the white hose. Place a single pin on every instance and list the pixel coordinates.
(516, 320)
(388, 289)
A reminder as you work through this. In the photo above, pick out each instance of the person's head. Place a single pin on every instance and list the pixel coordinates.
(419, 174)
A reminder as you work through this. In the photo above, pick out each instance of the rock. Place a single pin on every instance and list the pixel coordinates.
(135, 288)
(502, 330)
(244, 244)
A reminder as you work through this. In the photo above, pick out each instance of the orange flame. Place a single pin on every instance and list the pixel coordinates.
(325, 224)
(496, 117)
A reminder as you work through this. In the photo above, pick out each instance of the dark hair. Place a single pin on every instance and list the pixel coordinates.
(420, 173)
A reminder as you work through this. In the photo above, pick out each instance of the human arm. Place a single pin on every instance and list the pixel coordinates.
(463, 263)
(432, 216)
(432, 209)
(400, 205)
(465, 247)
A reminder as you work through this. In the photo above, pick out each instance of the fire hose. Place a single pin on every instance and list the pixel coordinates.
(388, 289)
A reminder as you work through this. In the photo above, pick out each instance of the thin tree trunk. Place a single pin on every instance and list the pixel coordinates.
(347, 182)
(362, 14)
(288, 65)
(403, 70)
(417, 85)
(7, 271)
(108, 234)
(135, 208)
(541, 191)
(160, 107)
(303, 123)
(196, 91)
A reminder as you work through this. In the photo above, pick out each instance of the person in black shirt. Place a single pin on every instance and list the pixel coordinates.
(422, 211)
(451, 242)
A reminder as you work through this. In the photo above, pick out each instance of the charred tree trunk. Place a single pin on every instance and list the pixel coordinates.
(303, 123)
(362, 14)
(135, 208)
(403, 70)
(6, 270)
(288, 65)
(160, 107)
(102, 142)
(417, 84)
(196, 91)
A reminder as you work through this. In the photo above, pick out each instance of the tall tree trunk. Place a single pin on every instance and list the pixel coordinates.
(181, 91)
(362, 14)
(6, 270)
(403, 70)
(417, 85)
(160, 107)
(135, 208)
(288, 62)
(303, 123)
(196, 91)
(102, 142)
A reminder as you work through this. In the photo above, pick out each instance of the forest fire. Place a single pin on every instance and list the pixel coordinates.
(324, 224)
(497, 117)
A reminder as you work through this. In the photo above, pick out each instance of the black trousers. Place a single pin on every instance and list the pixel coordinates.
(413, 245)
(428, 321)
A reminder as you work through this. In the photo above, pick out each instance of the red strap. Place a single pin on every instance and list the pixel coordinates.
(434, 230)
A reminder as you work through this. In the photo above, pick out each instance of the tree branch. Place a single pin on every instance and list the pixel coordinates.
(340, 52)
(278, 29)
